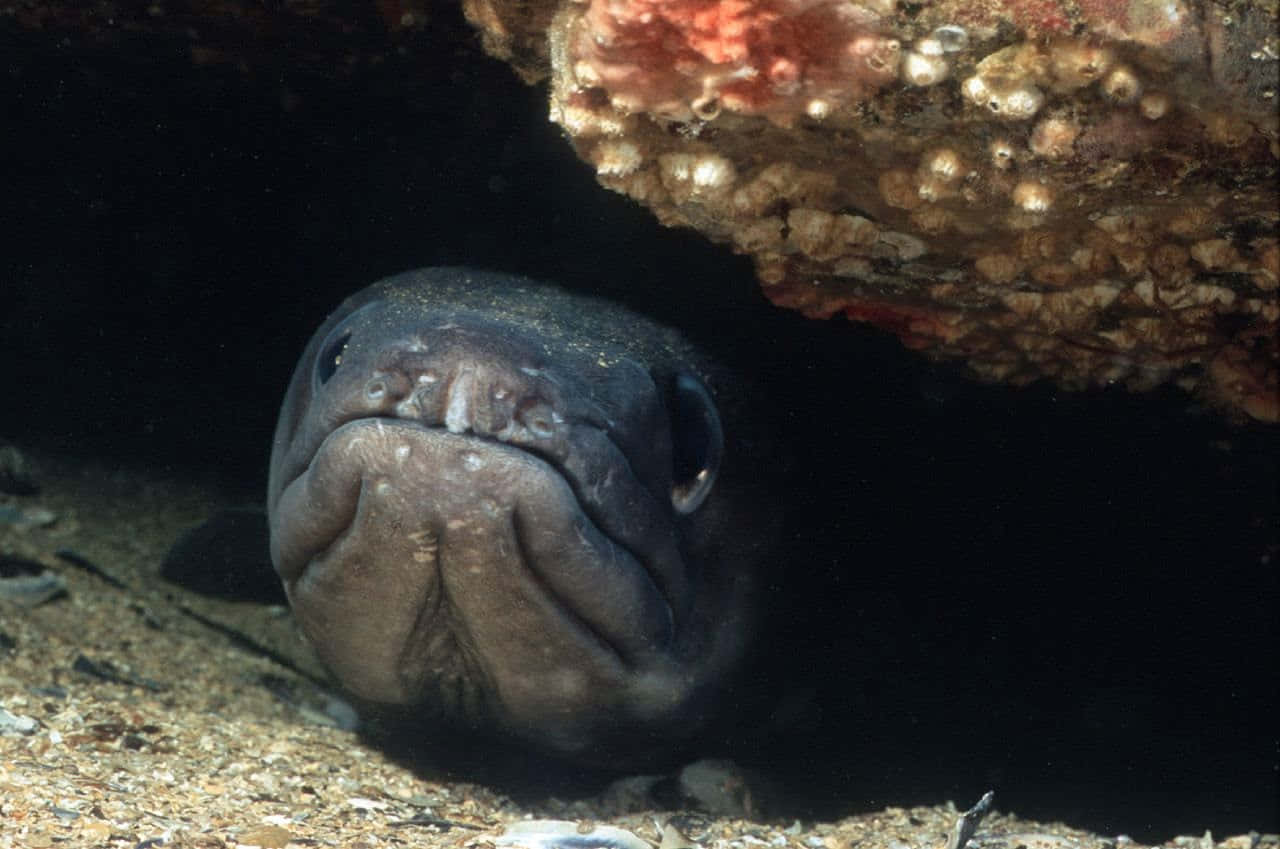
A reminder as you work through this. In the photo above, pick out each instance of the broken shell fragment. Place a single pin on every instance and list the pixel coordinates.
(562, 834)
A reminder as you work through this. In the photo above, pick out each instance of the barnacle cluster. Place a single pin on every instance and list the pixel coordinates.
(1075, 190)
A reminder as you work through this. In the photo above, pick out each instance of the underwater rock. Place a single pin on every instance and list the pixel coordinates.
(1081, 192)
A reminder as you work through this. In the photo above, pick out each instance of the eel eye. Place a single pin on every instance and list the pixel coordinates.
(331, 357)
(697, 443)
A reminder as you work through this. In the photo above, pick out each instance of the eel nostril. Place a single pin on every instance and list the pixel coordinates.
(539, 418)
(383, 387)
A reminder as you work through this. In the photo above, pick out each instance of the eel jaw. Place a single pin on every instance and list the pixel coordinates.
(430, 566)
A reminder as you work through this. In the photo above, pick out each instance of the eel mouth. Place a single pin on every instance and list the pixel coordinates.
(395, 532)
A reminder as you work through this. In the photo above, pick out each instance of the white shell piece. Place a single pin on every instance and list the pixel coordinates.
(562, 834)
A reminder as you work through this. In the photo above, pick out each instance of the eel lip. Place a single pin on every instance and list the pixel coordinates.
(505, 523)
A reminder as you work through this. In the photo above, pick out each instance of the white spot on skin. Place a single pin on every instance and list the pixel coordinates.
(403, 452)
(383, 487)
(472, 461)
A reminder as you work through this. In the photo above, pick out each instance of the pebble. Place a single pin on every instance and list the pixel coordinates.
(26, 518)
(267, 836)
(28, 583)
(16, 477)
(12, 723)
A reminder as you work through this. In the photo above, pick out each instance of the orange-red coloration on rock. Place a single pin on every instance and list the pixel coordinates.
(687, 58)
(917, 327)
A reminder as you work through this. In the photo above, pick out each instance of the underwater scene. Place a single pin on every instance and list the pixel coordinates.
(643, 424)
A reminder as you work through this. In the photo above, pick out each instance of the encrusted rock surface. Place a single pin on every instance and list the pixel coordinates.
(1079, 191)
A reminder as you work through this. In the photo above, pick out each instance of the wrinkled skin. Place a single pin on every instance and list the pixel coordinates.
(516, 508)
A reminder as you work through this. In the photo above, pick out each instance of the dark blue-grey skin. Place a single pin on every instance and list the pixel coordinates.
(518, 508)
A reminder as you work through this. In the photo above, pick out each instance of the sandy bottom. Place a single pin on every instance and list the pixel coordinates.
(134, 716)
